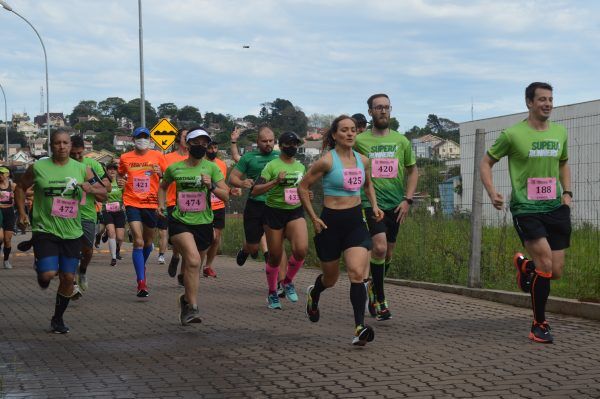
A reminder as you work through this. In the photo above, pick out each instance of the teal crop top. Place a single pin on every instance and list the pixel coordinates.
(336, 184)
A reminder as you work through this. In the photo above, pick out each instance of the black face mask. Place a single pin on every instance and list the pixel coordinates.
(289, 151)
(197, 151)
(211, 155)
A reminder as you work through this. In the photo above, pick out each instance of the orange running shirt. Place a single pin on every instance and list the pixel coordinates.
(170, 159)
(141, 190)
(216, 202)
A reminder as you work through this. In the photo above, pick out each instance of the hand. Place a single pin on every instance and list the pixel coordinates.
(281, 176)
(236, 192)
(235, 135)
(23, 222)
(319, 225)
(402, 211)
(206, 180)
(497, 200)
(378, 214)
(161, 211)
(156, 169)
(566, 200)
(87, 187)
(248, 183)
(311, 195)
(121, 182)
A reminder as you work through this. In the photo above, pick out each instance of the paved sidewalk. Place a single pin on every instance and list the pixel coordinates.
(437, 345)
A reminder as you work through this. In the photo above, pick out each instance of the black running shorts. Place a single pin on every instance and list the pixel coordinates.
(387, 225)
(277, 219)
(203, 233)
(219, 219)
(346, 228)
(555, 226)
(253, 221)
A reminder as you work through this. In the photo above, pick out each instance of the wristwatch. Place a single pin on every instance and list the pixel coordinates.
(409, 201)
(212, 186)
(569, 193)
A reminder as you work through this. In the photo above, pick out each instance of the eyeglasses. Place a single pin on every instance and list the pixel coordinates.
(380, 108)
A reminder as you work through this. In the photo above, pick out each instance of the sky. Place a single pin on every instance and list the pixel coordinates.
(327, 57)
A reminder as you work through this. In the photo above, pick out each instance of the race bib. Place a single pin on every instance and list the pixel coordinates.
(214, 199)
(386, 168)
(291, 196)
(191, 201)
(113, 207)
(5, 196)
(539, 189)
(64, 208)
(353, 179)
(141, 184)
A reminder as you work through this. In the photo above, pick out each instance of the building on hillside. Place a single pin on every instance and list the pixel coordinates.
(89, 135)
(582, 123)
(57, 119)
(12, 150)
(21, 157)
(424, 146)
(87, 146)
(125, 123)
(102, 156)
(28, 129)
(311, 149)
(16, 118)
(122, 143)
(37, 147)
(446, 149)
(88, 118)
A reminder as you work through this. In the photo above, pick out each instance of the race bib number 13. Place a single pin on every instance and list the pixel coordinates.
(539, 189)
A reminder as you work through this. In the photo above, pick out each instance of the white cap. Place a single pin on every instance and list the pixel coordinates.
(197, 133)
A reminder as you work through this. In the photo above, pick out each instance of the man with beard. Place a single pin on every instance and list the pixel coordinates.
(390, 154)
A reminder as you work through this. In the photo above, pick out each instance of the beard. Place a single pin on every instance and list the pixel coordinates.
(381, 123)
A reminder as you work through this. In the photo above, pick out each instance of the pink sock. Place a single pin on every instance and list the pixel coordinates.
(272, 272)
(293, 267)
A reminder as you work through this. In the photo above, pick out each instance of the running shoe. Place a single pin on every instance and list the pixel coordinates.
(241, 257)
(180, 280)
(76, 292)
(161, 259)
(273, 301)
(142, 290)
(173, 266)
(362, 335)
(280, 290)
(7, 264)
(113, 262)
(57, 326)
(25, 246)
(290, 292)
(104, 237)
(523, 277)
(312, 306)
(119, 257)
(383, 312)
(371, 299)
(188, 313)
(97, 241)
(82, 282)
(540, 332)
(209, 272)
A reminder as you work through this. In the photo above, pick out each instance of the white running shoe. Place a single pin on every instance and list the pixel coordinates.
(7, 264)
(161, 259)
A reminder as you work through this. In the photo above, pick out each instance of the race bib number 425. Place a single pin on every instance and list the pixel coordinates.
(353, 179)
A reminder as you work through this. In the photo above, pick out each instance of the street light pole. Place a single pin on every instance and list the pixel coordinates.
(142, 97)
(5, 123)
(9, 8)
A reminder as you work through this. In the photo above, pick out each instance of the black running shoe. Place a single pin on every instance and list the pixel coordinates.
(57, 326)
(172, 270)
(180, 280)
(362, 335)
(119, 257)
(312, 306)
(25, 246)
(104, 237)
(241, 257)
(188, 313)
(523, 277)
(254, 256)
(113, 262)
(540, 332)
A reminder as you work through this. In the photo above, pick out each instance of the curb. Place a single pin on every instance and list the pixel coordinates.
(565, 306)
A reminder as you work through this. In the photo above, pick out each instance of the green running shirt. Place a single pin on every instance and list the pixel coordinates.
(383, 151)
(57, 198)
(115, 195)
(88, 210)
(531, 154)
(193, 198)
(285, 194)
(252, 163)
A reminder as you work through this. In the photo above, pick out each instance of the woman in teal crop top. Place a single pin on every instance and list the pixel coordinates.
(341, 229)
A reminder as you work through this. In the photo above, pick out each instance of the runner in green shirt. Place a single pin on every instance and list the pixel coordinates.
(190, 224)
(244, 175)
(114, 215)
(88, 209)
(59, 185)
(283, 216)
(540, 201)
(390, 155)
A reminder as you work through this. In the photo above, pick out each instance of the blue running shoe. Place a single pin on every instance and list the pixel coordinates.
(290, 292)
(273, 301)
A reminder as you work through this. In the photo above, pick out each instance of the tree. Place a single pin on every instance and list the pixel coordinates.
(167, 110)
(84, 108)
(283, 116)
(394, 124)
(320, 121)
(104, 141)
(189, 114)
(110, 106)
(131, 110)
(255, 120)
(14, 137)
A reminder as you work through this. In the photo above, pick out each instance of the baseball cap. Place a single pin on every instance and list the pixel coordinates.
(360, 119)
(140, 130)
(289, 137)
(4, 170)
(197, 133)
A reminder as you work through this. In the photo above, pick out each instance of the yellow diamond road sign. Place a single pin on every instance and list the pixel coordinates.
(163, 134)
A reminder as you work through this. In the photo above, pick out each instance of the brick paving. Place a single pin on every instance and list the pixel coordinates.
(436, 346)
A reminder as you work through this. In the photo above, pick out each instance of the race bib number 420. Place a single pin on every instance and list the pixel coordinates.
(539, 189)
(386, 168)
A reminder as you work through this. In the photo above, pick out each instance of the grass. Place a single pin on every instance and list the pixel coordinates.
(436, 249)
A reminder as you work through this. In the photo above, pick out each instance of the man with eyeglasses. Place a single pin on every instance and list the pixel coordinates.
(391, 156)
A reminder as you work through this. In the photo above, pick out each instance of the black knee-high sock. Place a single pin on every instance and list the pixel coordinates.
(378, 273)
(61, 305)
(318, 288)
(387, 264)
(540, 290)
(7, 252)
(358, 296)
(118, 249)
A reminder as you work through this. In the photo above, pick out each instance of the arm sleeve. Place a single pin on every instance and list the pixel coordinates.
(409, 155)
(168, 175)
(501, 147)
(564, 155)
(267, 172)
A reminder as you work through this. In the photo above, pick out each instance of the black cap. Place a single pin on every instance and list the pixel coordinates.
(289, 137)
(360, 119)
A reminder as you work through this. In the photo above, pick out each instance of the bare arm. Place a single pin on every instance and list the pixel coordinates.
(162, 197)
(262, 186)
(485, 171)
(370, 190)
(96, 188)
(236, 180)
(314, 173)
(222, 191)
(235, 135)
(413, 178)
(24, 184)
(564, 174)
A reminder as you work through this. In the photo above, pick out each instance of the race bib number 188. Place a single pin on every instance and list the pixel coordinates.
(539, 189)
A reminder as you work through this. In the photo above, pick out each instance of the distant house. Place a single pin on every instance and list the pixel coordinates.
(20, 157)
(87, 146)
(125, 123)
(424, 146)
(16, 118)
(102, 156)
(311, 149)
(122, 143)
(37, 147)
(12, 150)
(447, 149)
(29, 129)
(89, 118)
(89, 135)
(57, 119)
